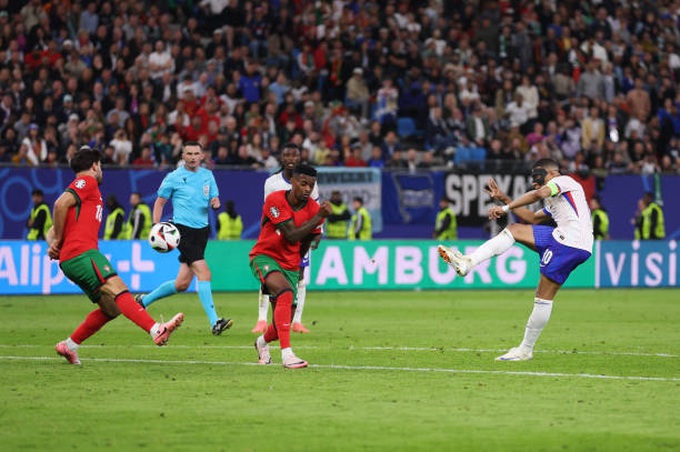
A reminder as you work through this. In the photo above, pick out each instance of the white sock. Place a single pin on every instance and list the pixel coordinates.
(493, 247)
(260, 341)
(537, 321)
(71, 345)
(154, 329)
(263, 305)
(286, 353)
(301, 296)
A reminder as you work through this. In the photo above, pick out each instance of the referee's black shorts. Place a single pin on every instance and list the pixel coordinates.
(192, 243)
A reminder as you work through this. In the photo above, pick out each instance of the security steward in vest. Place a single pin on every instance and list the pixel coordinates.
(600, 219)
(360, 226)
(446, 227)
(140, 219)
(41, 218)
(337, 222)
(229, 223)
(650, 223)
(116, 226)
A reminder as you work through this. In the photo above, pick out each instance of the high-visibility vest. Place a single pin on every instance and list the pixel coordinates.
(34, 233)
(337, 229)
(452, 232)
(145, 214)
(230, 228)
(365, 232)
(646, 232)
(111, 222)
(600, 220)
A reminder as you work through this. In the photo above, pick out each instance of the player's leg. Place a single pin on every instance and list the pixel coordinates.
(262, 310)
(116, 296)
(557, 263)
(522, 233)
(94, 321)
(168, 288)
(204, 275)
(297, 325)
(540, 315)
(281, 284)
(83, 271)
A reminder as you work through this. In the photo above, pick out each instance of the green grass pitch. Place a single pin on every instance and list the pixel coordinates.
(389, 371)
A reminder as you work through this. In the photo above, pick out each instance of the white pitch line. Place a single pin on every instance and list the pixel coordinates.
(376, 368)
(390, 348)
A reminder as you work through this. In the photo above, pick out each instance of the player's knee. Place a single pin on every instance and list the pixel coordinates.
(279, 297)
(182, 286)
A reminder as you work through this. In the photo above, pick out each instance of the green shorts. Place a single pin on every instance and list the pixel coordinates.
(262, 265)
(89, 271)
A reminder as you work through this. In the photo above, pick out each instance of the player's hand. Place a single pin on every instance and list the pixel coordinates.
(53, 251)
(325, 209)
(314, 244)
(494, 191)
(496, 212)
(215, 203)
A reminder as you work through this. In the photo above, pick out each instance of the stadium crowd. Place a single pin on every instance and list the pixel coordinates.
(385, 83)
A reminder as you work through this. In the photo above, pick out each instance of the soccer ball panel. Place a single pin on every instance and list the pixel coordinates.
(164, 237)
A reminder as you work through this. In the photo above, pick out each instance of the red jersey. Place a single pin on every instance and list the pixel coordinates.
(83, 220)
(271, 242)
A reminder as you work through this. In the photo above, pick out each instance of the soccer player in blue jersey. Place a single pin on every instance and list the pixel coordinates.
(192, 190)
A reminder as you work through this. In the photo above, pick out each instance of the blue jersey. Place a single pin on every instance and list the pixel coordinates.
(190, 193)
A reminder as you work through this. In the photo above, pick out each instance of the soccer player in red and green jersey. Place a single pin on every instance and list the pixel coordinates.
(73, 240)
(290, 221)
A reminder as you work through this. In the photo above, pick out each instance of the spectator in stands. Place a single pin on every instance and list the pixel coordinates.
(376, 160)
(357, 97)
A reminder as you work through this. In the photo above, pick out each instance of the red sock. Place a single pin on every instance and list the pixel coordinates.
(282, 316)
(270, 334)
(133, 311)
(93, 323)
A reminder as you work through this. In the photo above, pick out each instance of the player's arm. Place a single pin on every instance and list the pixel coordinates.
(158, 209)
(295, 234)
(310, 242)
(67, 200)
(518, 206)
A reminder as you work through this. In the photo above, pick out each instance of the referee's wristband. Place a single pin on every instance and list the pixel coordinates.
(505, 208)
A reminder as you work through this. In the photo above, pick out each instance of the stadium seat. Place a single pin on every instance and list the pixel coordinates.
(406, 128)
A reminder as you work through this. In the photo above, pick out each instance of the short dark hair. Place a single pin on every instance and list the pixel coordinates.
(359, 199)
(193, 143)
(84, 158)
(547, 164)
(291, 145)
(305, 169)
(37, 192)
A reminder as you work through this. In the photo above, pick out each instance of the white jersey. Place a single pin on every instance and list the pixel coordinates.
(278, 182)
(569, 208)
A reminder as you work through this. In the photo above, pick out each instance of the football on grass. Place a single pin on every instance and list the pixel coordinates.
(164, 237)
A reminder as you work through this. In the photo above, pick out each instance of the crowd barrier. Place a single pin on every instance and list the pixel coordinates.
(26, 269)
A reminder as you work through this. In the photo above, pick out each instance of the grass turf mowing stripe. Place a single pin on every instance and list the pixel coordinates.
(396, 348)
(377, 368)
